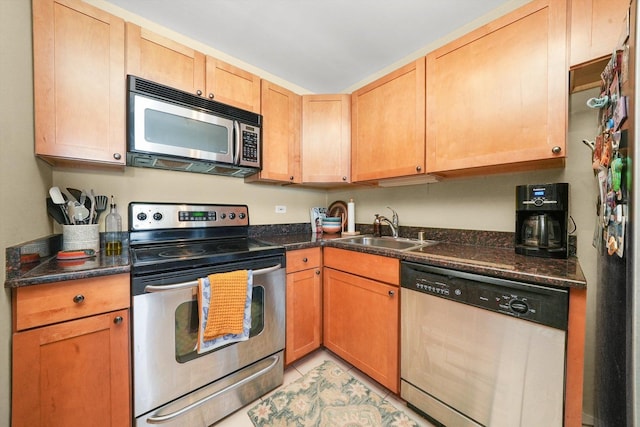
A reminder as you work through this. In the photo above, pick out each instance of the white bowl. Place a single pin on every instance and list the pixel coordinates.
(331, 228)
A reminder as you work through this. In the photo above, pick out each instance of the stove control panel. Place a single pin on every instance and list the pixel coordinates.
(159, 216)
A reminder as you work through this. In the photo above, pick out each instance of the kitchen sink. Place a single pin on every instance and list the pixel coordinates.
(387, 242)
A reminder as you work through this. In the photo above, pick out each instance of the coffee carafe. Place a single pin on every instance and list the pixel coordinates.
(541, 220)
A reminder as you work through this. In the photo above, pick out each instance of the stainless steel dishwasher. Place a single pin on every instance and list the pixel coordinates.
(482, 351)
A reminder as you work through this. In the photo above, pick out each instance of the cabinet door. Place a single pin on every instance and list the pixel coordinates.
(280, 135)
(304, 313)
(232, 85)
(498, 95)
(79, 85)
(361, 324)
(387, 125)
(596, 26)
(326, 138)
(162, 60)
(74, 373)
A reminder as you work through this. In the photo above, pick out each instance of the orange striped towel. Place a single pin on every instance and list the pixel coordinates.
(226, 304)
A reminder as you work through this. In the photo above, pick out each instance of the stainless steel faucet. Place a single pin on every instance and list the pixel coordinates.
(393, 223)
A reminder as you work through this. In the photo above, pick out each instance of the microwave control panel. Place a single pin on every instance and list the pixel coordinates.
(250, 145)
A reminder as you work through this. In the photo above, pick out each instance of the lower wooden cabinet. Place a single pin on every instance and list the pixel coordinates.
(73, 372)
(304, 303)
(361, 315)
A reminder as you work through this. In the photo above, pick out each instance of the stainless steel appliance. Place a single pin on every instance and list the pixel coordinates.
(481, 351)
(172, 245)
(541, 220)
(171, 129)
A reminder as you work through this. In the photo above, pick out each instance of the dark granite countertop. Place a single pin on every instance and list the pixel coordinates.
(49, 269)
(500, 262)
(484, 253)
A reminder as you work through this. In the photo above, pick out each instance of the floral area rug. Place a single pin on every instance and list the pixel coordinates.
(327, 396)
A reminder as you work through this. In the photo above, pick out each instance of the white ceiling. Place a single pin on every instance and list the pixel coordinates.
(323, 46)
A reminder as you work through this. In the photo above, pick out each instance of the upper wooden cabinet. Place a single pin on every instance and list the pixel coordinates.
(79, 85)
(164, 61)
(326, 138)
(232, 85)
(596, 26)
(497, 97)
(280, 135)
(388, 125)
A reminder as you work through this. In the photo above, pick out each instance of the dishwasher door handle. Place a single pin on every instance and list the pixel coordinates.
(194, 283)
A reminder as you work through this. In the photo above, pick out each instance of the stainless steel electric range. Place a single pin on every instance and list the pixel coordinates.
(172, 245)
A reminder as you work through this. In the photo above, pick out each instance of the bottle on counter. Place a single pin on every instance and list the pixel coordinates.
(113, 231)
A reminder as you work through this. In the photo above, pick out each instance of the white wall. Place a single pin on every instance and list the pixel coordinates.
(23, 179)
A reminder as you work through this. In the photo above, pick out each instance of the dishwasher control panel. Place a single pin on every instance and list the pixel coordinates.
(548, 306)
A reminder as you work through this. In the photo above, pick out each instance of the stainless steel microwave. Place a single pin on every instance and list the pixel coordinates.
(171, 129)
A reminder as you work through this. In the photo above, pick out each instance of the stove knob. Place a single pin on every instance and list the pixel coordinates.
(157, 216)
(232, 215)
(141, 216)
(223, 215)
(242, 215)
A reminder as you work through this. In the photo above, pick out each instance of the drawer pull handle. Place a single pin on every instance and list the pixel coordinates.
(304, 259)
(78, 299)
(391, 293)
(118, 320)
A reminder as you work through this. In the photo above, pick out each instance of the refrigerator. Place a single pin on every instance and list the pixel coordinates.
(617, 323)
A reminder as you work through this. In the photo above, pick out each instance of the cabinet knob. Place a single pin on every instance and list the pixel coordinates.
(317, 272)
(418, 168)
(117, 156)
(304, 259)
(392, 293)
(118, 320)
(344, 178)
(78, 299)
(291, 178)
(198, 92)
(556, 150)
(211, 96)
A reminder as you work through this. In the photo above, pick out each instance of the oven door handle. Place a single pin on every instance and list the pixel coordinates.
(194, 283)
(161, 419)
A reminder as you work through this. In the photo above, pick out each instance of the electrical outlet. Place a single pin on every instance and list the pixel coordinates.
(281, 209)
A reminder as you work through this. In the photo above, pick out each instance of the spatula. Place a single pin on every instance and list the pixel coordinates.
(101, 206)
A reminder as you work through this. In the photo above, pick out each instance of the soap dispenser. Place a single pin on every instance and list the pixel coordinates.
(377, 224)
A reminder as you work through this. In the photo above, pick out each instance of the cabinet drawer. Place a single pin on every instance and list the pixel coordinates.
(52, 303)
(376, 267)
(303, 259)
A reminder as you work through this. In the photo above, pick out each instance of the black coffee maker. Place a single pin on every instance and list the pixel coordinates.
(542, 212)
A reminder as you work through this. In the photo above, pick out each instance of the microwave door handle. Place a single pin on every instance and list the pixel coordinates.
(236, 141)
(194, 283)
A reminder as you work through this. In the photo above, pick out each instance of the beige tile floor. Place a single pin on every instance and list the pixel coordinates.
(304, 365)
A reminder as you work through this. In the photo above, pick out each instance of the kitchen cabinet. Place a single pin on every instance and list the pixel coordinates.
(361, 312)
(326, 138)
(304, 303)
(71, 353)
(232, 85)
(497, 96)
(388, 125)
(596, 27)
(165, 61)
(79, 85)
(281, 111)
(596, 30)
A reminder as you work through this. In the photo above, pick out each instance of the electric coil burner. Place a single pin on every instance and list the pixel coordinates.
(172, 245)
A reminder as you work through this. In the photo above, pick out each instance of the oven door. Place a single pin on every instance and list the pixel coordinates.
(172, 383)
(162, 128)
